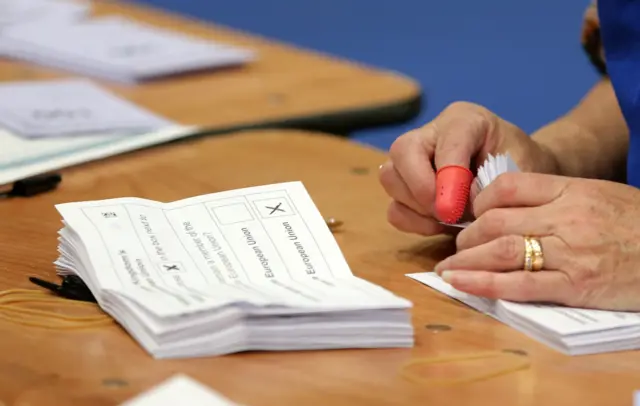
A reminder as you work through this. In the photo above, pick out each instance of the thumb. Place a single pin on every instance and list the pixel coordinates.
(462, 130)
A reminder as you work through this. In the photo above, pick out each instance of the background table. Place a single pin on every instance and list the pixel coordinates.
(522, 59)
(105, 366)
(287, 86)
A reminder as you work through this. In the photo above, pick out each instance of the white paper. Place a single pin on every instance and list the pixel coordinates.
(120, 49)
(558, 326)
(240, 270)
(492, 167)
(65, 107)
(180, 390)
(265, 245)
(559, 319)
(13, 12)
(22, 157)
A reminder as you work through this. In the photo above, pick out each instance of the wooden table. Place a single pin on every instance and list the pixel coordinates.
(286, 86)
(105, 366)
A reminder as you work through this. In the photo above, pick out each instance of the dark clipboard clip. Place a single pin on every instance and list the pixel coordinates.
(32, 186)
(72, 287)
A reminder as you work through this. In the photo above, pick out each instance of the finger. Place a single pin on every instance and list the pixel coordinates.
(518, 286)
(525, 221)
(517, 189)
(503, 254)
(411, 155)
(398, 190)
(460, 131)
(452, 138)
(407, 220)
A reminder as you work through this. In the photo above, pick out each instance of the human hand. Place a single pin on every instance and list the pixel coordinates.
(462, 134)
(589, 231)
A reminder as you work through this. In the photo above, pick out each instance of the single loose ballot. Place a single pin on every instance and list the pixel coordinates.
(63, 107)
(239, 270)
(18, 12)
(119, 49)
(180, 390)
(569, 330)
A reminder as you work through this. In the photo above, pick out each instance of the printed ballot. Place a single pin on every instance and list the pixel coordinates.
(180, 390)
(54, 108)
(240, 270)
(14, 12)
(569, 330)
(492, 167)
(118, 49)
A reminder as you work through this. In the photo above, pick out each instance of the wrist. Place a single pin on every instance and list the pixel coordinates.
(557, 143)
(548, 160)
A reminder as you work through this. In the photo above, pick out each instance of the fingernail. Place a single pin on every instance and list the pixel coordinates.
(380, 167)
(447, 276)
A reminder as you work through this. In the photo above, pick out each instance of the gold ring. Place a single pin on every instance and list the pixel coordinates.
(533, 256)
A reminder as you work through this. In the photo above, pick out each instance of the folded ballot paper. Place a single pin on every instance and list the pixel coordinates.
(118, 49)
(239, 270)
(569, 330)
(492, 167)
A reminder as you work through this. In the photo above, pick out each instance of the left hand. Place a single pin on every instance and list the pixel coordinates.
(590, 236)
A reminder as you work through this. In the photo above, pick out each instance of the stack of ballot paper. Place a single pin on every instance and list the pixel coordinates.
(569, 330)
(40, 12)
(239, 270)
(118, 49)
(66, 107)
(180, 390)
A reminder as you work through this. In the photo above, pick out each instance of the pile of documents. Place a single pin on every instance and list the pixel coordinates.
(71, 107)
(110, 47)
(569, 330)
(41, 12)
(240, 270)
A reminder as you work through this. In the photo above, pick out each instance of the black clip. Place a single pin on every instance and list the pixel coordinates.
(33, 186)
(72, 287)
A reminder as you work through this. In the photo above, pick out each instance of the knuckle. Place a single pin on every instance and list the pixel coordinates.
(424, 193)
(396, 218)
(583, 277)
(490, 286)
(385, 176)
(404, 143)
(462, 106)
(508, 249)
(506, 186)
(492, 222)
(474, 115)
(528, 288)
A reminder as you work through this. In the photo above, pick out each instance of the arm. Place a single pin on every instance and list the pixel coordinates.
(591, 140)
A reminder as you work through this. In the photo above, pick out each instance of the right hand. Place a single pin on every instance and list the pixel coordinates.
(463, 134)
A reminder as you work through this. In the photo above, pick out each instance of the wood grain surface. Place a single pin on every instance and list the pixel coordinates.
(285, 84)
(104, 366)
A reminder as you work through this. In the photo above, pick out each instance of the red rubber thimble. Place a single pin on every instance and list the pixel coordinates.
(452, 192)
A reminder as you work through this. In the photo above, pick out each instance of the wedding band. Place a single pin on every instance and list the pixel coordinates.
(533, 257)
